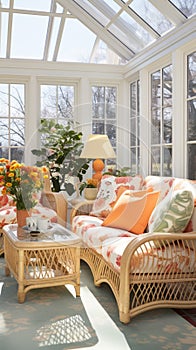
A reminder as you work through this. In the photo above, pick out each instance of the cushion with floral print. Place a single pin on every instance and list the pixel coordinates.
(159, 183)
(110, 189)
(7, 215)
(148, 258)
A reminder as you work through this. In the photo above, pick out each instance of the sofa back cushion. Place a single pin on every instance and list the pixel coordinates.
(173, 213)
(159, 183)
(110, 189)
(132, 211)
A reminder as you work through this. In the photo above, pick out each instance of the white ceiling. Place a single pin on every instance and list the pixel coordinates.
(97, 31)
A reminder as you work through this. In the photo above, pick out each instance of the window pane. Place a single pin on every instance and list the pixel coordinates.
(191, 120)
(155, 161)
(4, 132)
(167, 125)
(111, 132)
(156, 127)
(133, 132)
(98, 100)
(167, 161)
(98, 128)
(167, 86)
(17, 109)
(147, 11)
(156, 89)
(17, 135)
(188, 7)
(4, 102)
(192, 161)
(191, 75)
(57, 102)
(110, 97)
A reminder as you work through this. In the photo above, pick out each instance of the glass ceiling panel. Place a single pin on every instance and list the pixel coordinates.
(3, 34)
(147, 11)
(5, 3)
(36, 5)
(142, 37)
(72, 48)
(26, 39)
(109, 31)
(187, 7)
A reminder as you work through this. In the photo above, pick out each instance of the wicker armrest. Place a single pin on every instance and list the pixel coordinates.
(57, 202)
(81, 208)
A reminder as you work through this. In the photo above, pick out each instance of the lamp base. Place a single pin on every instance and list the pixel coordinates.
(98, 166)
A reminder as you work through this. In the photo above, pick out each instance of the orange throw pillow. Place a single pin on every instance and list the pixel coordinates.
(132, 211)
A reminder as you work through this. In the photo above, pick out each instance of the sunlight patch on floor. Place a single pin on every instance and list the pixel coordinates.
(107, 332)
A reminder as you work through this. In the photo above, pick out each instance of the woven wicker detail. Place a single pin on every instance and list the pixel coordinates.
(49, 263)
(171, 285)
(1, 242)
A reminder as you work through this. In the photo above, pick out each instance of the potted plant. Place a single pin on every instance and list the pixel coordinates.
(90, 188)
(60, 151)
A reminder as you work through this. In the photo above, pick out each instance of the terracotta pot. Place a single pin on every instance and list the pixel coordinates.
(90, 193)
(22, 215)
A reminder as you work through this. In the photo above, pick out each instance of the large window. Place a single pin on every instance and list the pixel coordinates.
(135, 127)
(104, 112)
(12, 121)
(57, 102)
(191, 115)
(161, 121)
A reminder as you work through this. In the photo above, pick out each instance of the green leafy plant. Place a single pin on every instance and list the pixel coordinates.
(60, 151)
(125, 171)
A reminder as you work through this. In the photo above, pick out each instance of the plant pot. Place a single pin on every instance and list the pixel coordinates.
(90, 193)
(21, 215)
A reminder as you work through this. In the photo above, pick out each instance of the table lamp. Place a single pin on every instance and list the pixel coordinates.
(98, 147)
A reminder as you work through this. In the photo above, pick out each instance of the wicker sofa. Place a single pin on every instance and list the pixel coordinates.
(147, 270)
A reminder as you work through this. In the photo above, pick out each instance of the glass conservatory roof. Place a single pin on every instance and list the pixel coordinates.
(96, 31)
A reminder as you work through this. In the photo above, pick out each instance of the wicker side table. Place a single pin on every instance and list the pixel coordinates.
(51, 259)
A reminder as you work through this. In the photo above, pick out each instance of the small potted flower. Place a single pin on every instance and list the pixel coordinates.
(90, 188)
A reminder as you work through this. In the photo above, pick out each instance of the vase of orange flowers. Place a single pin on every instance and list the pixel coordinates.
(22, 183)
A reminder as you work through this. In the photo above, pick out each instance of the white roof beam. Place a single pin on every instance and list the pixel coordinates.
(49, 30)
(59, 36)
(169, 11)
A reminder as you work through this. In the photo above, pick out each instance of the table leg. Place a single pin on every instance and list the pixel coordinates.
(21, 293)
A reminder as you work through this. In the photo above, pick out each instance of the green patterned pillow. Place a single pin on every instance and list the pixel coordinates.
(173, 214)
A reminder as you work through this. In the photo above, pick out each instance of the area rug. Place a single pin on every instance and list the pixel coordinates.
(188, 314)
(53, 319)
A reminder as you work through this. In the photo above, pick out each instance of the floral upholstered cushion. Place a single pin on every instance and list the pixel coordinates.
(7, 215)
(89, 229)
(110, 189)
(158, 183)
(148, 258)
(111, 244)
(173, 213)
(132, 211)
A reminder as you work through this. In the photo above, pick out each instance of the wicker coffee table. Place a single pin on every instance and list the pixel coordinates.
(50, 259)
